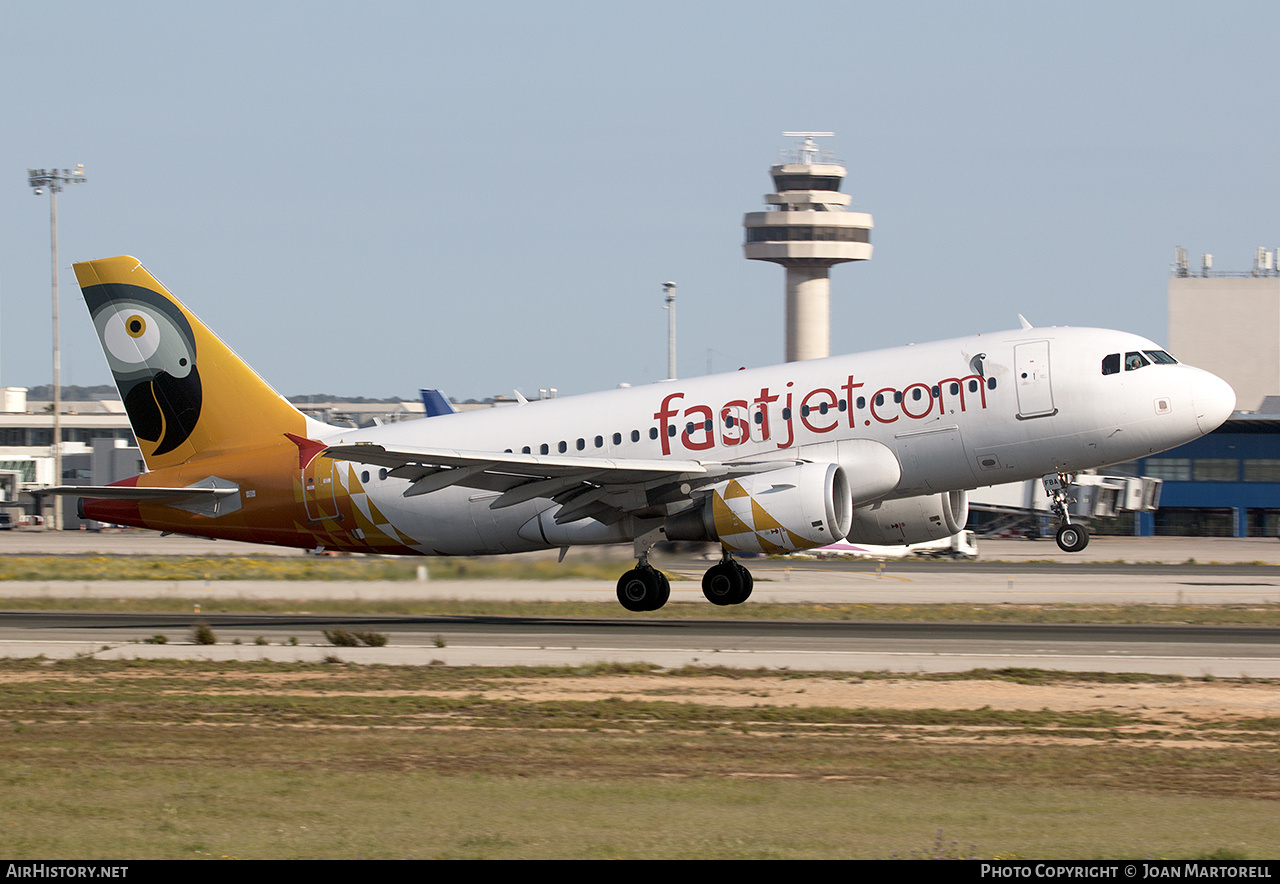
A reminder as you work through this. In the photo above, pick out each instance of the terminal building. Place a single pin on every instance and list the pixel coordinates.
(1226, 484)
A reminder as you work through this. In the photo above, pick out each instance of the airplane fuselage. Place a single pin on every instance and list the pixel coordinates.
(907, 422)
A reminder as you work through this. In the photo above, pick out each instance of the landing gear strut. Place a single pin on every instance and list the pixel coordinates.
(644, 587)
(1071, 538)
(727, 583)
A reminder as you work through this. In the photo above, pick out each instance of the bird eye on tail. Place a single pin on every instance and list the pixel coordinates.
(131, 336)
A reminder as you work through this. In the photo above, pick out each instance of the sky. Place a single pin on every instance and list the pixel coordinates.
(488, 196)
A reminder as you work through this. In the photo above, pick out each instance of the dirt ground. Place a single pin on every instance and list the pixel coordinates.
(1195, 700)
(1190, 700)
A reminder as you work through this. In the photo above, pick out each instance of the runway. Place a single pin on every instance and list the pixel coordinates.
(796, 645)
(1157, 572)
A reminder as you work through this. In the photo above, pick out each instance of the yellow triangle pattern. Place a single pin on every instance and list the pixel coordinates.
(744, 525)
(725, 519)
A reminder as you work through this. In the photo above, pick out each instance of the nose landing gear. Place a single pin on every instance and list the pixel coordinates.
(1071, 538)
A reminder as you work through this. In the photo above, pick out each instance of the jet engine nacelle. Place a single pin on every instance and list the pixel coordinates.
(784, 510)
(911, 519)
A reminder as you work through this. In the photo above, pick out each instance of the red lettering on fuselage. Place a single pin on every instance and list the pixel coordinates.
(739, 422)
(878, 400)
(915, 401)
(762, 403)
(703, 426)
(908, 396)
(806, 409)
(662, 415)
(959, 383)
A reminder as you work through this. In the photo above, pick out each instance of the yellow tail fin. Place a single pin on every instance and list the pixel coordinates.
(187, 394)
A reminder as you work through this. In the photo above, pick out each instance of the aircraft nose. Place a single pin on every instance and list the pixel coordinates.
(1213, 400)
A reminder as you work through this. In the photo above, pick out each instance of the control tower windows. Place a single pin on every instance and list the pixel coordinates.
(786, 183)
(807, 233)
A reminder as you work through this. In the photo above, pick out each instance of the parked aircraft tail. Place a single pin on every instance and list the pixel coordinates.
(187, 394)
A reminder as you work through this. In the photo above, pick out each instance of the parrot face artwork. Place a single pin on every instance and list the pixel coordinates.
(151, 351)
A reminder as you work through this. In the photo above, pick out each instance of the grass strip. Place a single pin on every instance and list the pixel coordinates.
(169, 759)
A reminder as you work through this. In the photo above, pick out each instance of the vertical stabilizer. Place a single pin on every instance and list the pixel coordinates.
(187, 394)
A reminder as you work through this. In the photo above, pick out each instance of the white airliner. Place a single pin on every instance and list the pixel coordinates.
(877, 447)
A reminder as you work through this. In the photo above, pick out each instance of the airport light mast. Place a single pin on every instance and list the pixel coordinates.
(807, 229)
(670, 306)
(54, 180)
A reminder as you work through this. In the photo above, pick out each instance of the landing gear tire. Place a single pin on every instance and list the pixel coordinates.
(643, 589)
(727, 583)
(1072, 538)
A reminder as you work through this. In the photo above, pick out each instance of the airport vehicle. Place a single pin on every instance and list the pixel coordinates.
(963, 545)
(877, 448)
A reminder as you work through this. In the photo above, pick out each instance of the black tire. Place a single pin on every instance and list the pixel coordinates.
(727, 583)
(1072, 538)
(747, 583)
(640, 588)
(664, 591)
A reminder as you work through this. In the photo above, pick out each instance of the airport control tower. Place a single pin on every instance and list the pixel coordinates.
(807, 228)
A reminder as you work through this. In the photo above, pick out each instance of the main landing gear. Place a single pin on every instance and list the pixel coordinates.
(645, 588)
(727, 583)
(1071, 538)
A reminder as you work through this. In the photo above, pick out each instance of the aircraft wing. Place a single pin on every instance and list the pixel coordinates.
(602, 488)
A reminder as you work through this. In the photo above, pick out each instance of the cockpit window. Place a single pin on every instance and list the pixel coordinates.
(1111, 364)
(1159, 357)
(1134, 361)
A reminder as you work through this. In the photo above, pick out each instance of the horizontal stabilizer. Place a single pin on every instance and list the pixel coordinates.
(123, 492)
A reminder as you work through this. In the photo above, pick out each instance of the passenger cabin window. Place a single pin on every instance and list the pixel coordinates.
(1111, 364)
(1134, 361)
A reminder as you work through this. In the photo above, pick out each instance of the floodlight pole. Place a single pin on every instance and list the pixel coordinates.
(55, 179)
(670, 289)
